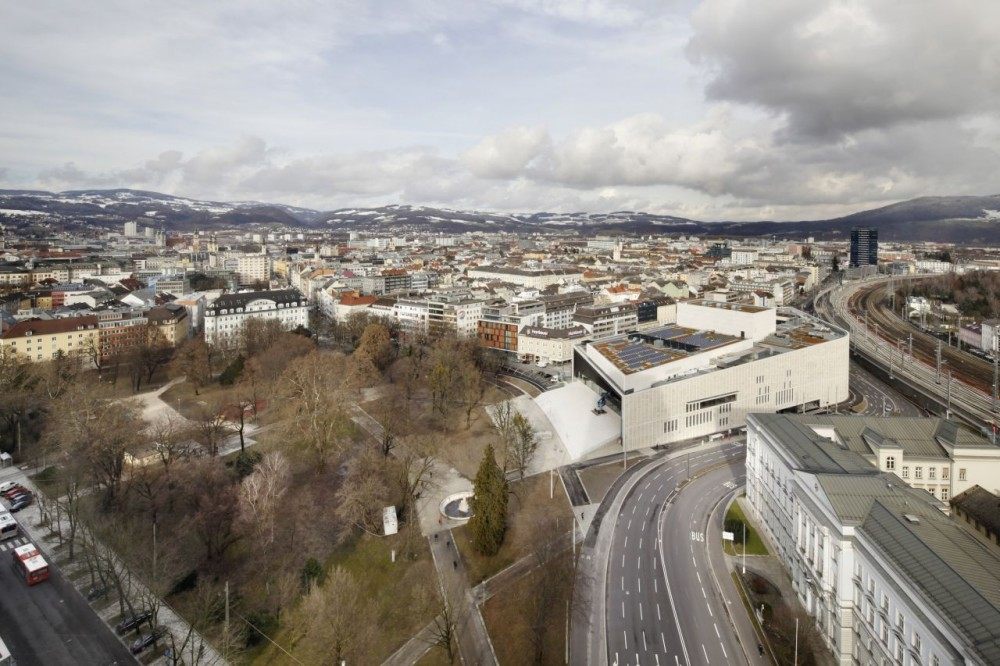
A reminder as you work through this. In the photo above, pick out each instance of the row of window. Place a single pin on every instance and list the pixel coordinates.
(918, 471)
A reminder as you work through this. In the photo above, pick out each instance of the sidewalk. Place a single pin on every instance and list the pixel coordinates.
(473, 640)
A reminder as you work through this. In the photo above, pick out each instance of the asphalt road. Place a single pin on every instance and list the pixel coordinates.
(670, 619)
(50, 623)
(882, 399)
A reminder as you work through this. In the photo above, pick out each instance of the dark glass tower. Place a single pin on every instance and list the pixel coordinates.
(864, 246)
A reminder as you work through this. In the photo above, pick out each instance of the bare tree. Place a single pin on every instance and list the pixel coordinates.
(210, 427)
(444, 631)
(261, 493)
(522, 444)
(314, 402)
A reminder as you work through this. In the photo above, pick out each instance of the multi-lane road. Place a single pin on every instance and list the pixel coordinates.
(661, 586)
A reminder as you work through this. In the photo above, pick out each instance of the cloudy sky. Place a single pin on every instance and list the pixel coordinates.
(719, 109)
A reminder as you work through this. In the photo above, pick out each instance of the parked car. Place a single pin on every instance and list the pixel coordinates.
(7, 485)
(140, 644)
(96, 592)
(19, 495)
(132, 622)
(20, 504)
(13, 490)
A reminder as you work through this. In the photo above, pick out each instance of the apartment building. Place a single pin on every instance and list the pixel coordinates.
(226, 316)
(885, 574)
(602, 321)
(549, 345)
(533, 278)
(39, 340)
(171, 322)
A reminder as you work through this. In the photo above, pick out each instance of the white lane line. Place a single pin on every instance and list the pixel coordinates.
(709, 607)
(623, 560)
(640, 543)
(676, 660)
(638, 582)
(698, 574)
(657, 657)
(638, 562)
(723, 650)
(655, 591)
(644, 647)
(658, 618)
(694, 562)
(717, 634)
(625, 635)
(703, 593)
(629, 526)
(705, 651)
(664, 641)
(623, 608)
(647, 510)
(623, 583)
(625, 543)
(633, 508)
(640, 611)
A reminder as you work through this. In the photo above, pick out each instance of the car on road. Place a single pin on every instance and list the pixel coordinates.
(133, 622)
(140, 644)
(20, 504)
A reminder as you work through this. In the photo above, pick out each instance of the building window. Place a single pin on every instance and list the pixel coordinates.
(944, 473)
(906, 471)
(918, 472)
(890, 462)
(961, 474)
(932, 473)
(944, 493)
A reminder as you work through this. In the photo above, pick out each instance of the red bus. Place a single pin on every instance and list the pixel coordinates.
(30, 564)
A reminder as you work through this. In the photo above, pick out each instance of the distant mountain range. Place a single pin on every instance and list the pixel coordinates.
(967, 219)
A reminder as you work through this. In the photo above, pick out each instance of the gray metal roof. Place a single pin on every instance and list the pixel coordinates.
(811, 452)
(919, 437)
(958, 573)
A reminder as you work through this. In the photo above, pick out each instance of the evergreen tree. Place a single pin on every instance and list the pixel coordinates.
(489, 505)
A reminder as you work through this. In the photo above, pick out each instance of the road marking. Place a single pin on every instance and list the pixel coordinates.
(717, 634)
(723, 650)
(625, 635)
(655, 591)
(698, 574)
(625, 544)
(697, 536)
(710, 613)
(640, 611)
(629, 524)
(703, 592)
(664, 641)
(658, 618)
(633, 509)
(640, 543)
(705, 651)
(623, 583)
(647, 510)
(676, 660)
(644, 647)
(638, 562)
(638, 582)
(694, 562)
(623, 608)
(657, 657)
(623, 560)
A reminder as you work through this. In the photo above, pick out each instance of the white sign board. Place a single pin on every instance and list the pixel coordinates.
(727, 536)
(389, 522)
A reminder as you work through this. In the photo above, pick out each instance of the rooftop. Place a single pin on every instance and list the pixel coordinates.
(641, 351)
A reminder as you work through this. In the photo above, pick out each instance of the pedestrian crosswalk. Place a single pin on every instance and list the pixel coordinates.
(11, 544)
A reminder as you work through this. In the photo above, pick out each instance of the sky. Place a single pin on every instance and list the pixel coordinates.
(715, 110)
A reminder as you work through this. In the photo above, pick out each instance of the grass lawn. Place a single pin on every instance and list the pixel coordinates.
(506, 615)
(394, 589)
(755, 545)
(181, 397)
(528, 506)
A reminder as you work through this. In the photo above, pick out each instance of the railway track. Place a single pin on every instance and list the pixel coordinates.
(964, 367)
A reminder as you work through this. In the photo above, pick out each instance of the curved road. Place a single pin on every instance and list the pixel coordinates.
(663, 604)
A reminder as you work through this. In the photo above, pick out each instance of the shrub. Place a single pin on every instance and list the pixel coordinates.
(232, 372)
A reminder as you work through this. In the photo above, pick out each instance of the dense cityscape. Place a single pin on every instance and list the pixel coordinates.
(512, 332)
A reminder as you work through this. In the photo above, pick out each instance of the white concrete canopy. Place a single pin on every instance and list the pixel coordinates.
(570, 410)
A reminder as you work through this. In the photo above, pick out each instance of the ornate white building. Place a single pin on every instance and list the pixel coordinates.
(888, 577)
(224, 318)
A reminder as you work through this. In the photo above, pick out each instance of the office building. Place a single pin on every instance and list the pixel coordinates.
(225, 318)
(864, 246)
